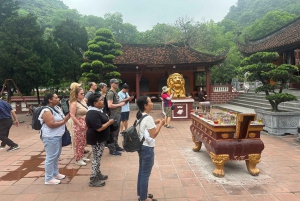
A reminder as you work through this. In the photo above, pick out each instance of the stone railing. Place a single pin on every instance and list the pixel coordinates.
(220, 89)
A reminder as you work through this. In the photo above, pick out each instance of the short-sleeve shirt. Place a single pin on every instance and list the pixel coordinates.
(94, 120)
(123, 96)
(5, 109)
(111, 95)
(167, 103)
(147, 123)
(88, 94)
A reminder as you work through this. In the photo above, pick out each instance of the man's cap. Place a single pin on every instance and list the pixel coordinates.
(165, 89)
(114, 80)
(125, 86)
(102, 84)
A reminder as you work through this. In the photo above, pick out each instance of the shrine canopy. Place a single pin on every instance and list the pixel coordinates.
(284, 38)
(165, 55)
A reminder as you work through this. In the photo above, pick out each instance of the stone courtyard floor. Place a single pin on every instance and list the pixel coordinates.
(179, 174)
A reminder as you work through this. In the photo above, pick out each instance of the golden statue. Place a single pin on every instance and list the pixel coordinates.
(176, 82)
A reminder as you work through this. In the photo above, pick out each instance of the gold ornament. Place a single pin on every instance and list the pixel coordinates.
(176, 82)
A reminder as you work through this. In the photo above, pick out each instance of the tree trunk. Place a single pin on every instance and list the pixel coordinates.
(9, 94)
(38, 95)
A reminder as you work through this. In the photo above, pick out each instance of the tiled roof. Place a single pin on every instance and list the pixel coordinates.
(160, 55)
(285, 36)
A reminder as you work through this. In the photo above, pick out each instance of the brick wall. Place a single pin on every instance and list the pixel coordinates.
(222, 97)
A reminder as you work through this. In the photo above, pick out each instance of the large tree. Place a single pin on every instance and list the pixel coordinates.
(21, 53)
(71, 37)
(8, 8)
(272, 21)
(100, 55)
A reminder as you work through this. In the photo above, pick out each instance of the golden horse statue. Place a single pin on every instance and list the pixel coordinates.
(176, 82)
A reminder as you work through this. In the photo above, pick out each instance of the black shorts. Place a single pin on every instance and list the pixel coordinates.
(124, 116)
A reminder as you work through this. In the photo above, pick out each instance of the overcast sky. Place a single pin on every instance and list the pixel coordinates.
(146, 13)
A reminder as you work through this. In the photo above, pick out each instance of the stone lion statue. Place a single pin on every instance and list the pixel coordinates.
(176, 82)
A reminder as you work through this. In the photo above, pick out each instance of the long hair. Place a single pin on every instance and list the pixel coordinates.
(75, 88)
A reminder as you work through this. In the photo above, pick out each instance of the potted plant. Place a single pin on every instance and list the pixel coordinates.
(261, 68)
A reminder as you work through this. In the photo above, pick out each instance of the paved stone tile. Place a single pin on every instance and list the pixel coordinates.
(14, 190)
(47, 197)
(26, 197)
(178, 192)
(69, 196)
(7, 197)
(287, 196)
(178, 172)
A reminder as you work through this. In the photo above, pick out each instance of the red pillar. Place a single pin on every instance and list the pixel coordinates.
(137, 83)
(207, 71)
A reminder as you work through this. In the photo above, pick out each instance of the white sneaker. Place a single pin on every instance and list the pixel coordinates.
(80, 162)
(85, 159)
(52, 182)
(60, 176)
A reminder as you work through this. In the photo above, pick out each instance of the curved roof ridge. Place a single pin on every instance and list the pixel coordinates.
(164, 54)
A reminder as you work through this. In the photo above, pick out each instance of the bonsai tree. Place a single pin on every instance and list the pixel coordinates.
(261, 68)
(101, 53)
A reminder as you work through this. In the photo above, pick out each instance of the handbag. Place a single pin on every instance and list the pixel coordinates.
(66, 138)
(173, 107)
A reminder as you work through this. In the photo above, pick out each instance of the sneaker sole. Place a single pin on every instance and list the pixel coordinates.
(13, 149)
(60, 178)
(97, 186)
(51, 183)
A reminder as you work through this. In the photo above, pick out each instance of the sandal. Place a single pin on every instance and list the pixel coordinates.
(170, 127)
(150, 196)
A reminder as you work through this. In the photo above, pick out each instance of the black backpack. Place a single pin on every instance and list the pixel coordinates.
(64, 103)
(35, 122)
(131, 139)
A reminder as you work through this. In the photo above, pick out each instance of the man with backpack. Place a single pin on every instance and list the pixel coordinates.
(93, 88)
(6, 114)
(114, 106)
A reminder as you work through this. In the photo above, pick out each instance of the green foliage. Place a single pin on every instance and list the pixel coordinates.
(70, 37)
(282, 97)
(101, 53)
(260, 67)
(24, 53)
(8, 8)
(245, 12)
(228, 69)
(272, 21)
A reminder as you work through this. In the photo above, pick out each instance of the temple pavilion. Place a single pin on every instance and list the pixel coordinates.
(146, 67)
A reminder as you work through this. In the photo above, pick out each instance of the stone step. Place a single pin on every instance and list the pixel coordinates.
(264, 104)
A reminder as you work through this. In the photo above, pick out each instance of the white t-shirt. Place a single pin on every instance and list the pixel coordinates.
(122, 96)
(51, 132)
(146, 124)
(149, 141)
